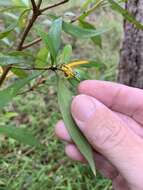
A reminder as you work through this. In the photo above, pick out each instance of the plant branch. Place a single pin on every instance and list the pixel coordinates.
(39, 4)
(39, 82)
(25, 33)
(38, 68)
(31, 43)
(34, 5)
(4, 74)
(55, 5)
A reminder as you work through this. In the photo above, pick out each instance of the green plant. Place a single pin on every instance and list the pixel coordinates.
(51, 57)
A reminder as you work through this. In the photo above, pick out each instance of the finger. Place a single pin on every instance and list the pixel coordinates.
(117, 97)
(102, 165)
(61, 132)
(119, 183)
(110, 136)
(73, 153)
(132, 124)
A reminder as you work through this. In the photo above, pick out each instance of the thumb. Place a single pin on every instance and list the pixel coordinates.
(109, 135)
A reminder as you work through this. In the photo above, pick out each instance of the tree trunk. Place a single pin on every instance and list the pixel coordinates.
(131, 60)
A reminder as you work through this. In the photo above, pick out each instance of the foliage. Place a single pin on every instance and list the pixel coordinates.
(32, 67)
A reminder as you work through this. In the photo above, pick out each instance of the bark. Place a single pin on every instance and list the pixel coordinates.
(131, 59)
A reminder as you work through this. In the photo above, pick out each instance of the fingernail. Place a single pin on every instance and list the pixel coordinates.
(82, 108)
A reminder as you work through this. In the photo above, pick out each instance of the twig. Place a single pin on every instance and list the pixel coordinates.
(4, 74)
(39, 4)
(55, 5)
(31, 43)
(38, 68)
(32, 69)
(34, 5)
(30, 24)
(33, 87)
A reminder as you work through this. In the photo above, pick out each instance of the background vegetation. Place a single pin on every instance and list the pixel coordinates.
(24, 168)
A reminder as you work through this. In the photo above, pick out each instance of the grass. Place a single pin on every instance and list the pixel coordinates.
(24, 168)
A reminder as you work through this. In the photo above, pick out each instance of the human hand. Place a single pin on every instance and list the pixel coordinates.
(110, 116)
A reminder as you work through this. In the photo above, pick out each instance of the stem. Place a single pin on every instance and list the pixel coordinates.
(55, 5)
(33, 87)
(38, 68)
(4, 74)
(31, 43)
(29, 26)
(34, 5)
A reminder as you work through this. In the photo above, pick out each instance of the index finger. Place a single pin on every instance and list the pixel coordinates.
(118, 97)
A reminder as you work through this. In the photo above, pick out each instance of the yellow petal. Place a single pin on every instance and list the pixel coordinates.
(76, 63)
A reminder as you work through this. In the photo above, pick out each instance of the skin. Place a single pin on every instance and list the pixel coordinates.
(110, 116)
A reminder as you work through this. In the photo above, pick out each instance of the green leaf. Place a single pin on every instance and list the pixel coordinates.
(55, 33)
(21, 2)
(22, 17)
(97, 39)
(19, 72)
(48, 43)
(64, 99)
(21, 135)
(10, 28)
(11, 8)
(21, 54)
(97, 64)
(84, 33)
(52, 40)
(9, 60)
(128, 16)
(66, 54)
(41, 58)
(6, 32)
(10, 92)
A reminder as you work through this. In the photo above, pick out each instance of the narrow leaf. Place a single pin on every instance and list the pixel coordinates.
(128, 16)
(6, 32)
(96, 63)
(41, 58)
(79, 32)
(11, 8)
(64, 99)
(19, 72)
(48, 43)
(66, 54)
(10, 92)
(21, 135)
(97, 39)
(52, 40)
(55, 33)
(8, 60)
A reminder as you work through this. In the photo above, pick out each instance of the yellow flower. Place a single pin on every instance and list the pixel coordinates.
(67, 69)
